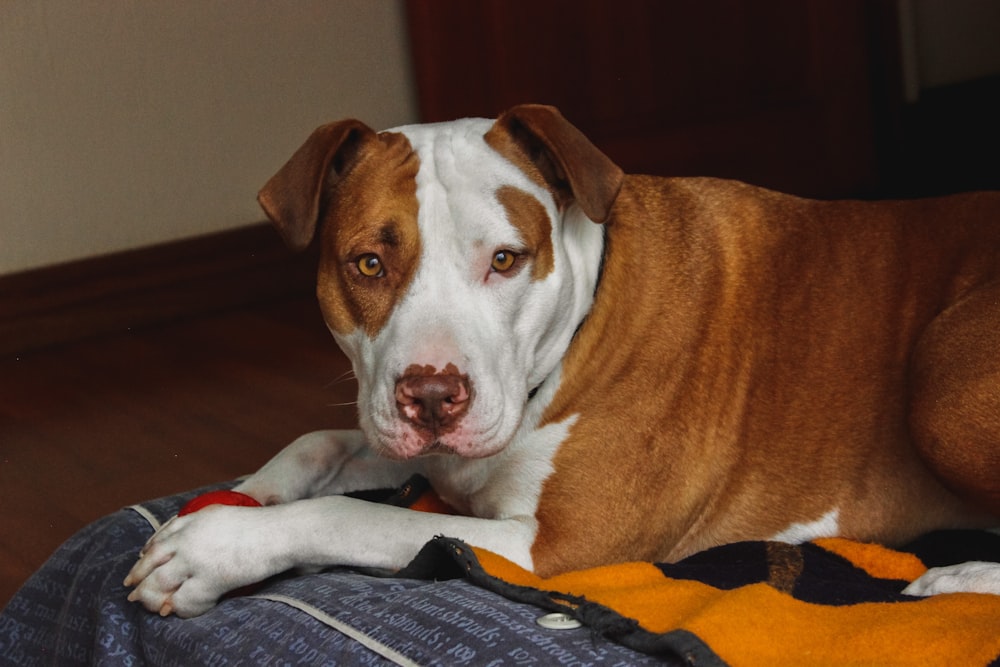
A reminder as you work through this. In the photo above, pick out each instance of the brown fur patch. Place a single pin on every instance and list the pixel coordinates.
(528, 215)
(744, 366)
(371, 209)
(784, 566)
(500, 139)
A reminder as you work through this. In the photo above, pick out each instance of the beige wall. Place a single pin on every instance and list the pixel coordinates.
(126, 123)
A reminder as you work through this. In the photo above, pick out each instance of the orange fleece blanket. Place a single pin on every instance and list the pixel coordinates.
(827, 602)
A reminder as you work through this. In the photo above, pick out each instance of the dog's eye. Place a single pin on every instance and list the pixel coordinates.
(503, 260)
(370, 265)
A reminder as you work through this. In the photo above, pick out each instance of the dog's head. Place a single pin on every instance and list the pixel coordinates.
(457, 259)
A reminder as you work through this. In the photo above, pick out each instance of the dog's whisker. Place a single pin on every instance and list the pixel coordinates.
(346, 376)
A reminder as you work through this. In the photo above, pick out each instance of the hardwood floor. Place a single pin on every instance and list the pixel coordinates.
(92, 426)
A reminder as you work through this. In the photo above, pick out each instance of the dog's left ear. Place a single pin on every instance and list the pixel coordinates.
(572, 167)
(293, 198)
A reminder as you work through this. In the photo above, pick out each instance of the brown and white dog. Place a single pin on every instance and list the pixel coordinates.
(595, 368)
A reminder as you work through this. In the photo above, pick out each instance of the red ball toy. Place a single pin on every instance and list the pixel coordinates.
(218, 498)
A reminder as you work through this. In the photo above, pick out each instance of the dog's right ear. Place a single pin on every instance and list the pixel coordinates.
(293, 198)
(573, 167)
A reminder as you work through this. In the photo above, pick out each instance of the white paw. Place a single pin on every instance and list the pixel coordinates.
(970, 577)
(193, 560)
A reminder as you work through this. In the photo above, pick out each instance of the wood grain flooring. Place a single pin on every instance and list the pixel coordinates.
(89, 427)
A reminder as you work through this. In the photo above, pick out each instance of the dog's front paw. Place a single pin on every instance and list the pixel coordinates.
(193, 560)
(970, 577)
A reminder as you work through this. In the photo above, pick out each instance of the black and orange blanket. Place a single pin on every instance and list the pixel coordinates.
(828, 602)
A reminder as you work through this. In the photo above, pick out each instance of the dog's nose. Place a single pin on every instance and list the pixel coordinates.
(433, 401)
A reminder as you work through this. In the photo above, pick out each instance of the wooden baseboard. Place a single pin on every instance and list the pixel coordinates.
(149, 286)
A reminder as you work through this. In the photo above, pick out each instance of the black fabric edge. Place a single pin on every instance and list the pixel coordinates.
(950, 546)
(448, 558)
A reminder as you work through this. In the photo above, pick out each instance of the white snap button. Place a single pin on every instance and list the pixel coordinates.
(558, 621)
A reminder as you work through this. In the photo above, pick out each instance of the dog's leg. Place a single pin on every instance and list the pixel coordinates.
(970, 577)
(324, 463)
(955, 420)
(194, 559)
(955, 409)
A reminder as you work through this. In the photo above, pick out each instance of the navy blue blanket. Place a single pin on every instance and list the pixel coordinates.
(74, 611)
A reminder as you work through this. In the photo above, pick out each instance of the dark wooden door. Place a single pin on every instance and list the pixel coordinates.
(778, 92)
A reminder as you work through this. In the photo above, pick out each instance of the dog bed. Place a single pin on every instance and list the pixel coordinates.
(827, 602)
